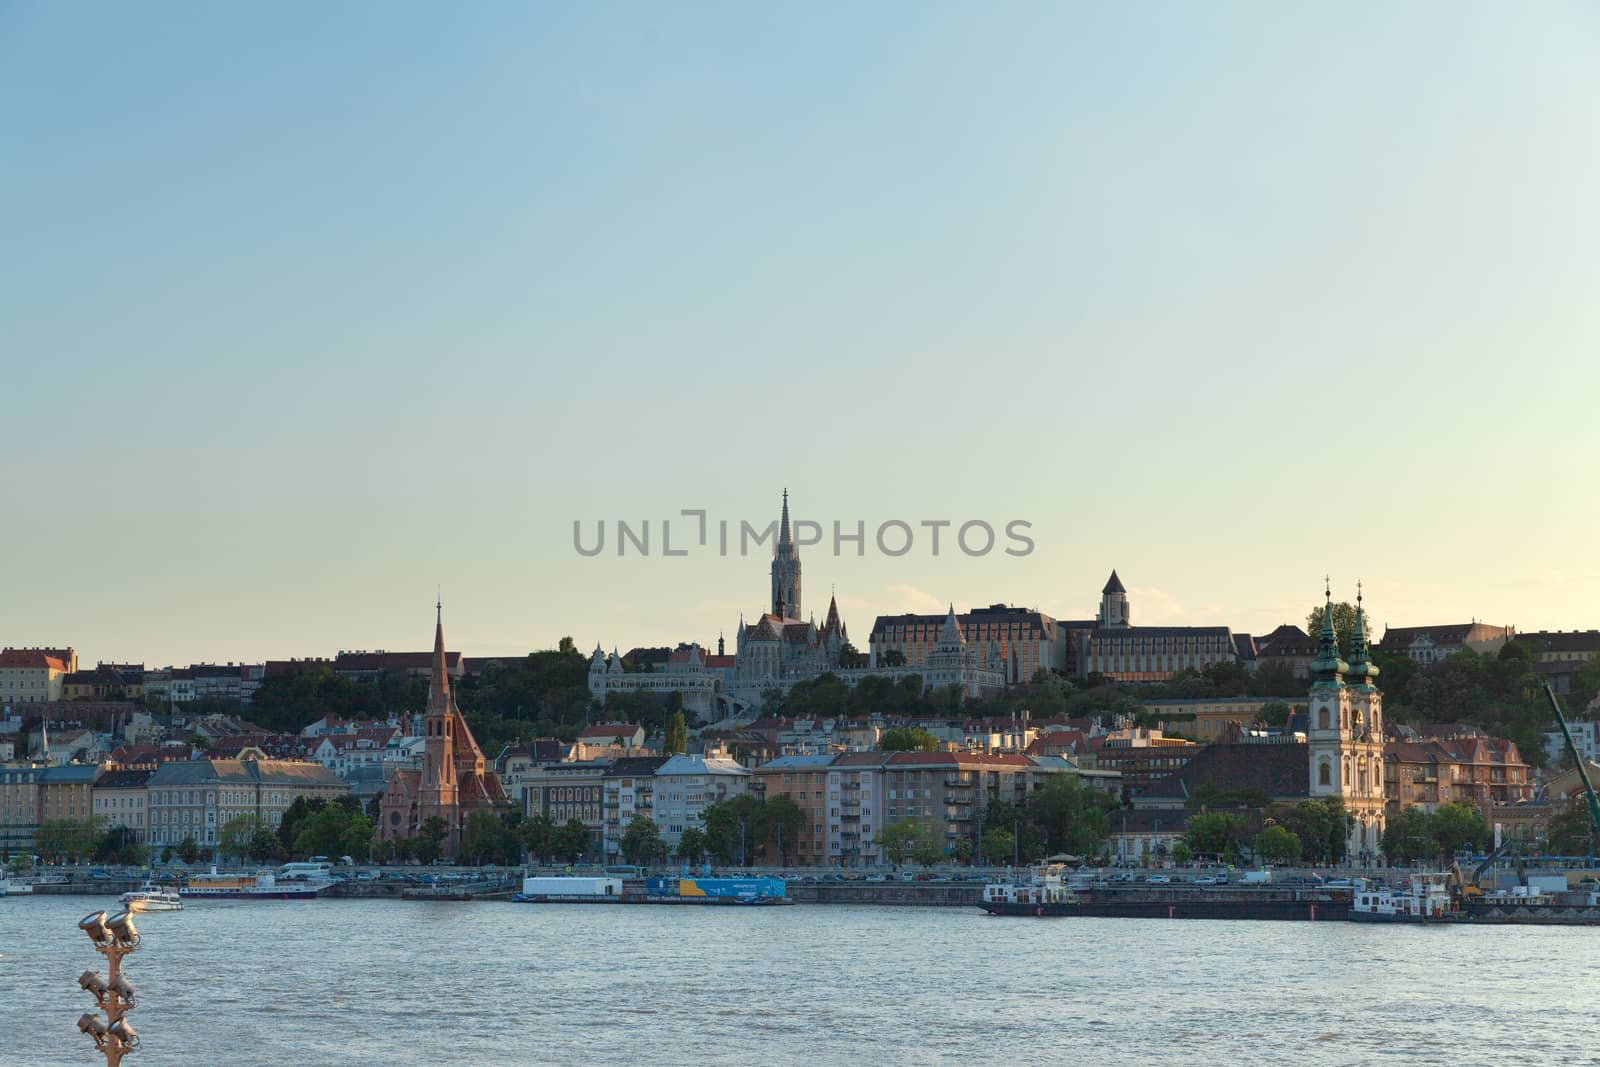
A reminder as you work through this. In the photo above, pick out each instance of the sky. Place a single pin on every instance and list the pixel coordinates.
(310, 313)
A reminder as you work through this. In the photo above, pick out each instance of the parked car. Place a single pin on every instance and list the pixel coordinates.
(1158, 879)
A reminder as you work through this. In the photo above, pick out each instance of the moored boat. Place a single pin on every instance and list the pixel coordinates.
(263, 885)
(1425, 898)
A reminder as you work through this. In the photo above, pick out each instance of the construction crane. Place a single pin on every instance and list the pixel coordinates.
(1577, 761)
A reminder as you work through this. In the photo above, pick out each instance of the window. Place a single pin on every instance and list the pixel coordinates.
(1322, 769)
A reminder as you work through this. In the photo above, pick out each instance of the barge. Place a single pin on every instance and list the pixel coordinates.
(685, 891)
(1047, 894)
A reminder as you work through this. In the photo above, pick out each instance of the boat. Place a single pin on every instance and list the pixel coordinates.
(14, 888)
(151, 897)
(263, 885)
(1049, 892)
(572, 889)
(1425, 898)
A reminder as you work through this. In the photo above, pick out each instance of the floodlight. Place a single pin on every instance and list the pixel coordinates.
(124, 1033)
(91, 1025)
(121, 927)
(95, 926)
(123, 988)
(92, 982)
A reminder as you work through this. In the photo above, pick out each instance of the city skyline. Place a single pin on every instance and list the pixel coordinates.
(310, 312)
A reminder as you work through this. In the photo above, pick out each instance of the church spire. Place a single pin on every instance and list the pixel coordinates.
(1328, 667)
(439, 680)
(1361, 666)
(785, 540)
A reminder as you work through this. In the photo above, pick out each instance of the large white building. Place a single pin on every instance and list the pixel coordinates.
(33, 675)
(196, 798)
(685, 786)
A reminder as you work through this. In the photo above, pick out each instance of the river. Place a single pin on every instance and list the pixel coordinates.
(413, 983)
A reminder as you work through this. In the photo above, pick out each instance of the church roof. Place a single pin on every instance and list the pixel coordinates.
(1114, 585)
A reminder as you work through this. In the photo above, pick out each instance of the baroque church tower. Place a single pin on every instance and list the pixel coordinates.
(1345, 731)
(785, 570)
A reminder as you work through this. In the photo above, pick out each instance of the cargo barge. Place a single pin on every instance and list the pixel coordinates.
(1047, 895)
(745, 892)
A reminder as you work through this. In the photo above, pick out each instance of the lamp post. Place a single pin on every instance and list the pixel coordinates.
(113, 938)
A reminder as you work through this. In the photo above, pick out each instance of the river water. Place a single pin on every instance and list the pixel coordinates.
(423, 983)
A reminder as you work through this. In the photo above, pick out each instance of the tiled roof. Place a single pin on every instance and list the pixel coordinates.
(1401, 637)
(1281, 771)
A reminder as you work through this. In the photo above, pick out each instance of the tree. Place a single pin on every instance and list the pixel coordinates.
(428, 844)
(998, 845)
(641, 841)
(899, 839)
(781, 820)
(70, 840)
(237, 834)
(1182, 853)
(264, 846)
(691, 844)
(1344, 622)
(1275, 713)
(188, 850)
(1408, 837)
(677, 738)
(1458, 827)
(907, 739)
(571, 841)
(487, 839)
(1569, 832)
(538, 835)
(1216, 834)
(1275, 844)
(1323, 827)
(1072, 818)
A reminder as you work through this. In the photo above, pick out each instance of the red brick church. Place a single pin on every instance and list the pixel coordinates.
(455, 779)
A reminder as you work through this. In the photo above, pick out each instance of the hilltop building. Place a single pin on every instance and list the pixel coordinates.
(1112, 646)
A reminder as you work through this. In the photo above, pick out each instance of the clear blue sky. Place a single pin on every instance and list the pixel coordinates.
(307, 309)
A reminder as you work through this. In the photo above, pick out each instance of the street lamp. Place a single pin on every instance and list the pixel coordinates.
(113, 938)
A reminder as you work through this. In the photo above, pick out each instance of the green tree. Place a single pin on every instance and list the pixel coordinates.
(1408, 837)
(70, 840)
(571, 841)
(1073, 819)
(907, 739)
(264, 846)
(1216, 834)
(1458, 827)
(538, 833)
(677, 739)
(1323, 827)
(188, 850)
(1182, 853)
(905, 839)
(999, 845)
(429, 843)
(781, 820)
(1275, 713)
(486, 839)
(691, 844)
(237, 834)
(1569, 832)
(641, 841)
(1276, 844)
(1344, 622)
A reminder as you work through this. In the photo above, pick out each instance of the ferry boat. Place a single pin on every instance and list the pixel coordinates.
(1424, 899)
(151, 897)
(263, 885)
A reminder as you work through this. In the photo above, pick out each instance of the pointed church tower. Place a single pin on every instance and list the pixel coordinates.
(785, 569)
(439, 794)
(1345, 732)
(1114, 605)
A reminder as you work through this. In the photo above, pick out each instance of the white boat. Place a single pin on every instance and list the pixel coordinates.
(150, 897)
(263, 885)
(1424, 899)
(12, 888)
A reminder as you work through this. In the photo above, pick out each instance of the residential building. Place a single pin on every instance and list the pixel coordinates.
(19, 807)
(1585, 737)
(1430, 644)
(686, 785)
(1484, 772)
(106, 681)
(571, 789)
(805, 781)
(1288, 646)
(33, 675)
(121, 798)
(68, 792)
(196, 798)
(628, 790)
(516, 762)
